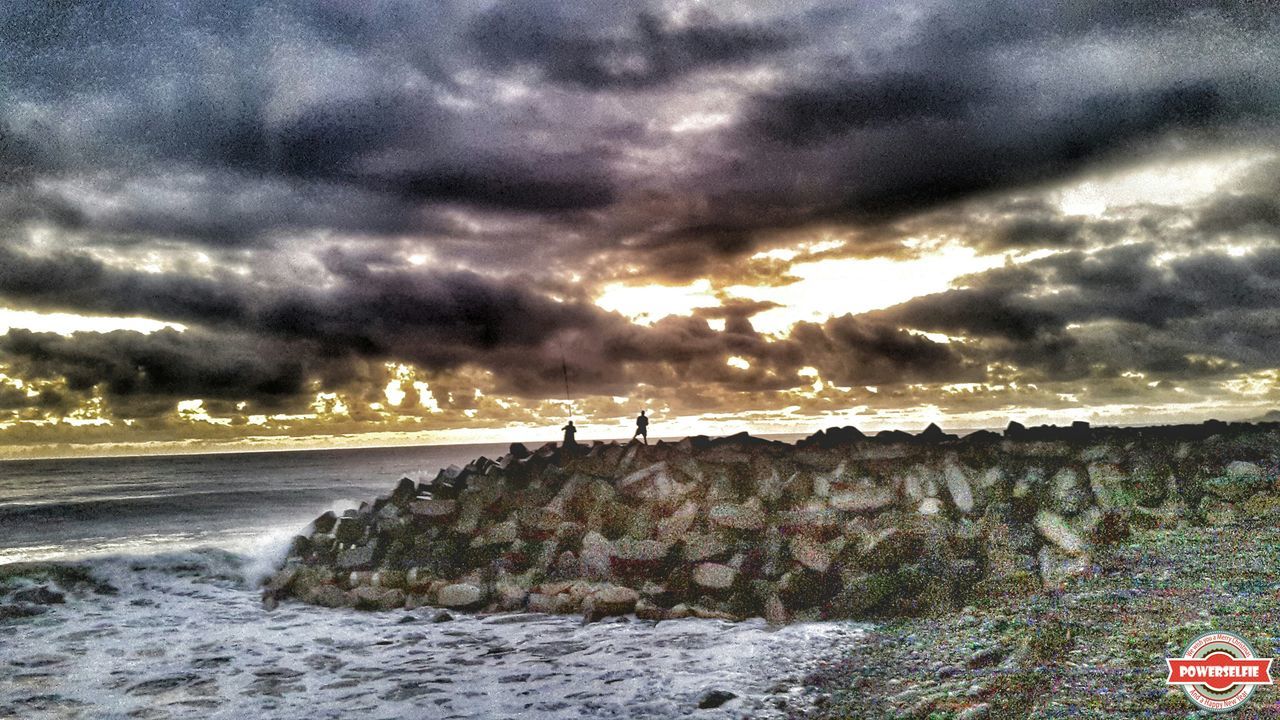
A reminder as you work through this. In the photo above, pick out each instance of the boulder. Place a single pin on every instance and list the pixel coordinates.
(959, 487)
(357, 558)
(678, 524)
(40, 595)
(1070, 491)
(367, 597)
(638, 557)
(349, 530)
(812, 555)
(1237, 481)
(1110, 485)
(653, 484)
(608, 602)
(891, 547)
(714, 699)
(747, 516)
(699, 547)
(1056, 530)
(324, 524)
(714, 576)
(868, 500)
(434, 511)
(595, 556)
(1149, 482)
(814, 518)
(406, 492)
(461, 596)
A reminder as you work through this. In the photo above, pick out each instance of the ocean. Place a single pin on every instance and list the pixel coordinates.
(170, 624)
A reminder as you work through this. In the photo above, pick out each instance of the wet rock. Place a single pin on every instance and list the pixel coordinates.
(608, 602)
(714, 699)
(40, 595)
(357, 558)
(14, 611)
(349, 530)
(324, 524)
(443, 616)
(461, 596)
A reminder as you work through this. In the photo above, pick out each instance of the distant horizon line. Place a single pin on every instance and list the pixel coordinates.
(1263, 419)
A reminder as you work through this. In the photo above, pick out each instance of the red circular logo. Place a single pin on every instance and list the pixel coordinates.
(1219, 670)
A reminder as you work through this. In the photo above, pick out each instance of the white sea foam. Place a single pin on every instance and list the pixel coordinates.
(186, 637)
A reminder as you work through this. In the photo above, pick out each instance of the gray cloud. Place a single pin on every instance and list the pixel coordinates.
(526, 152)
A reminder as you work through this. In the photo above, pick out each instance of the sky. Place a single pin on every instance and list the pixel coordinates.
(326, 223)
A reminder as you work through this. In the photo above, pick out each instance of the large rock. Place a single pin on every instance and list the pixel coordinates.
(595, 556)
(714, 576)
(864, 500)
(357, 558)
(1237, 481)
(434, 511)
(891, 547)
(638, 557)
(368, 597)
(810, 554)
(349, 530)
(1056, 530)
(959, 487)
(699, 547)
(461, 596)
(677, 525)
(654, 484)
(608, 602)
(1070, 491)
(324, 524)
(747, 516)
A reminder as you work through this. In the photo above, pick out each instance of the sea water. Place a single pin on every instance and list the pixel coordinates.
(180, 543)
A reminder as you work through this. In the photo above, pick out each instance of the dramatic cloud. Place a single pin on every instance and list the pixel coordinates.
(411, 216)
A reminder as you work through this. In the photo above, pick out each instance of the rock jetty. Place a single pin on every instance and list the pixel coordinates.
(836, 525)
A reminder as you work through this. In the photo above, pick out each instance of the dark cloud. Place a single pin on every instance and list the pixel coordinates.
(1124, 308)
(322, 187)
(165, 364)
(650, 53)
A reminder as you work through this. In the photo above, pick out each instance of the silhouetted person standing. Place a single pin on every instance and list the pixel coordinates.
(642, 428)
(570, 433)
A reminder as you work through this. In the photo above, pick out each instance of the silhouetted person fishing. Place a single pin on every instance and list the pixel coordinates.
(570, 435)
(642, 428)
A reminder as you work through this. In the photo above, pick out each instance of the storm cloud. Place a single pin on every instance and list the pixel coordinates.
(320, 193)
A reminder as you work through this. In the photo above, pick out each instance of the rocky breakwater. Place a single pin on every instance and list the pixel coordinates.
(836, 525)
